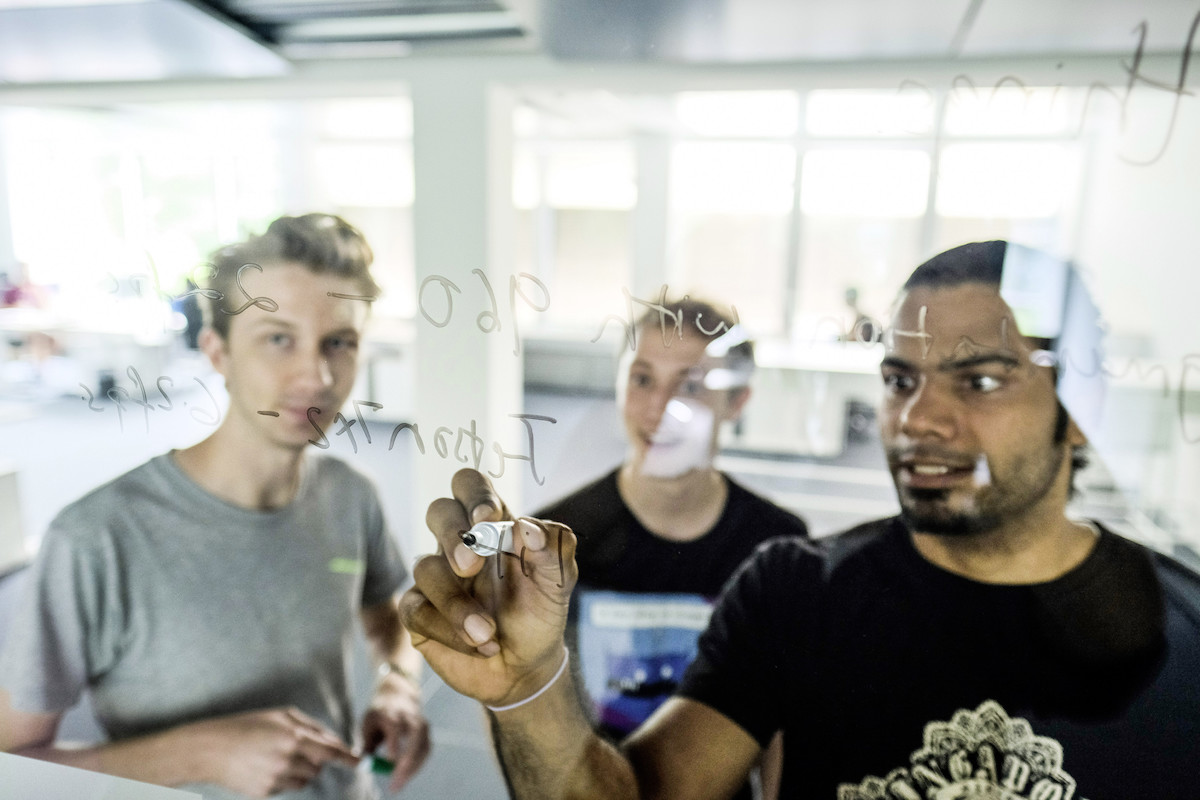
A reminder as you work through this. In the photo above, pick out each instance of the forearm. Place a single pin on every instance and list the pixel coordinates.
(390, 642)
(550, 751)
(169, 758)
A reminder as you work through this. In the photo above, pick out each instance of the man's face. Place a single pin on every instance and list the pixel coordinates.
(968, 418)
(302, 355)
(671, 417)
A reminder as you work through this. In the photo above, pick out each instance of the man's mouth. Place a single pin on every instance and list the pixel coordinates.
(921, 471)
(299, 413)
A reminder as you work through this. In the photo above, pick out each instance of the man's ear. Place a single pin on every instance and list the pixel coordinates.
(212, 344)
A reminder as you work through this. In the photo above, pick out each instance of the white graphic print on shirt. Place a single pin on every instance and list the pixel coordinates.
(978, 755)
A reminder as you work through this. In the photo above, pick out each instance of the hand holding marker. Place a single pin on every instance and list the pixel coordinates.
(487, 538)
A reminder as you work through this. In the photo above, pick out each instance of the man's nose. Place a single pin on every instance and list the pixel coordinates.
(928, 411)
(657, 405)
(314, 371)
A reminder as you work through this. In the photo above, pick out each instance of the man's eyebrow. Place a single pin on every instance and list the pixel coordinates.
(1005, 359)
(966, 362)
(894, 362)
(271, 321)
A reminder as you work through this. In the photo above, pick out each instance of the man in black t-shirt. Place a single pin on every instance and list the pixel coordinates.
(659, 536)
(981, 645)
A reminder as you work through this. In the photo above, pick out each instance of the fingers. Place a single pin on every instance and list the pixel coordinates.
(311, 726)
(475, 493)
(298, 774)
(407, 740)
(413, 753)
(440, 609)
(447, 519)
(531, 533)
(317, 753)
(548, 547)
(403, 731)
(316, 744)
(474, 501)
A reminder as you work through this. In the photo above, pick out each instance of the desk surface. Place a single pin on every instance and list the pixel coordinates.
(30, 779)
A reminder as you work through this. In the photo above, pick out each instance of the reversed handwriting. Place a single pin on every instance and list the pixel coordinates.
(1133, 66)
(464, 444)
(119, 396)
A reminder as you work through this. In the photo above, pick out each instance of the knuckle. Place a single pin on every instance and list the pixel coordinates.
(424, 568)
(440, 508)
(410, 601)
(466, 474)
(417, 619)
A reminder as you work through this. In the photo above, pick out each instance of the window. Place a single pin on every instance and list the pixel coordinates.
(779, 202)
(728, 221)
(1011, 190)
(574, 202)
(150, 191)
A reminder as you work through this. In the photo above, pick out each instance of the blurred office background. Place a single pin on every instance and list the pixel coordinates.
(527, 172)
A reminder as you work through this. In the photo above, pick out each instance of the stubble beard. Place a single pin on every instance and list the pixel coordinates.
(989, 507)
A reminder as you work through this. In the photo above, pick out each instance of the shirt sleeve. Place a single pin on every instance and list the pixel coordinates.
(750, 656)
(67, 626)
(385, 570)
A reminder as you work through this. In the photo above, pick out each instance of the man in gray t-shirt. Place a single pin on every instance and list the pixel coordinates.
(206, 599)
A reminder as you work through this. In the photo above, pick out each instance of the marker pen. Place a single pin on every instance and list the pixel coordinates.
(381, 765)
(487, 538)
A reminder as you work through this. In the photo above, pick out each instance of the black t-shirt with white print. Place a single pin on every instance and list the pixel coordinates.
(894, 679)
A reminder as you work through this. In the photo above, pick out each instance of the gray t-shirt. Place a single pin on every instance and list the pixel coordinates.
(170, 605)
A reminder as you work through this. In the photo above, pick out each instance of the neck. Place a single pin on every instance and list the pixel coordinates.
(679, 509)
(1012, 554)
(259, 478)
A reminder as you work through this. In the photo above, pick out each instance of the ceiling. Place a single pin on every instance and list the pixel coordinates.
(786, 30)
(67, 41)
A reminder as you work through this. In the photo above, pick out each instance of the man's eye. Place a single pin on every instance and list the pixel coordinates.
(984, 383)
(896, 382)
(279, 339)
(691, 388)
(640, 381)
(341, 343)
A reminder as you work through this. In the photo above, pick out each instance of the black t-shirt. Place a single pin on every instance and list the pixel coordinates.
(892, 678)
(642, 601)
(616, 552)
